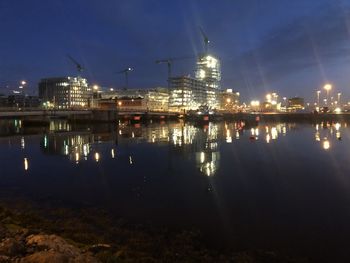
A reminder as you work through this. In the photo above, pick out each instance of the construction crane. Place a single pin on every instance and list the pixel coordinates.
(169, 62)
(205, 39)
(126, 72)
(79, 67)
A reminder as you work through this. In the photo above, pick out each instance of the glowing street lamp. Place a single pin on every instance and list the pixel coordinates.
(94, 94)
(328, 88)
(22, 86)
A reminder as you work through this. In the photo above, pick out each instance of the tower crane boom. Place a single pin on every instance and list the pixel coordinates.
(79, 67)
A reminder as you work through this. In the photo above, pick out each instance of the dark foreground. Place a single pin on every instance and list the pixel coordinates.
(32, 234)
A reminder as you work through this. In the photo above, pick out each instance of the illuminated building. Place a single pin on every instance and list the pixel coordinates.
(188, 93)
(229, 100)
(272, 98)
(64, 92)
(156, 99)
(271, 103)
(208, 70)
(295, 104)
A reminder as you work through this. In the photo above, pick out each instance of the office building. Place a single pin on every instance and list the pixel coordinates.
(188, 93)
(156, 99)
(295, 104)
(65, 92)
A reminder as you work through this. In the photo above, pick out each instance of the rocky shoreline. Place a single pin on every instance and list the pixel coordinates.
(31, 234)
(41, 248)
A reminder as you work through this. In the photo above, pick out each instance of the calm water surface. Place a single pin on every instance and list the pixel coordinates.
(274, 186)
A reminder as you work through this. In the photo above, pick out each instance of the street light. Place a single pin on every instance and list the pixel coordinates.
(95, 89)
(339, 94)
(318, 97)
(327, 87)
(22, 86)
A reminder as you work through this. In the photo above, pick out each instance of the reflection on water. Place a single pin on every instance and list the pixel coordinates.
(201, 143)
(325, 131)
(26, 164)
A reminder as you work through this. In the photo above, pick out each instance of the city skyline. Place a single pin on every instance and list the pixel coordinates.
(289, 48)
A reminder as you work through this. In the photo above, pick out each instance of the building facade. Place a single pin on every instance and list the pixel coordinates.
(188, 93)
(202, 91)
(229, 100)
(156, 99)
(295, 104)
(65, 92)
(208, 70)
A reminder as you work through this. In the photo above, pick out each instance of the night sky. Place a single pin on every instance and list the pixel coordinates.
(292, 47)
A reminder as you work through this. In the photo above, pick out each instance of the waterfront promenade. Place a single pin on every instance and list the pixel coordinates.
(111, 115)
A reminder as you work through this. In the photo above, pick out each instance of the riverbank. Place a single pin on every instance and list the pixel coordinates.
(30, 233)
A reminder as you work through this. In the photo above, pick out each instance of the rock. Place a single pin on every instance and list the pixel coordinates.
(46, 257)
(3, 231)
(55, 249)
(53, 242)
(4, 259)
(11, 247)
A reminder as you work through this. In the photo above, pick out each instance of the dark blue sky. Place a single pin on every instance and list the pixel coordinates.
(291, 47)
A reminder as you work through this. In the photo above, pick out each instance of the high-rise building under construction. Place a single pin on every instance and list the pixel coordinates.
(208, 70)
(188, 93)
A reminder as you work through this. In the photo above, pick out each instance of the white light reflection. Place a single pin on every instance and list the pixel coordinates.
(326, 144)
(23, 143)
(274, 133)
(337, 126)
(26, 164)
(202, 157)
(317, 136)
(228, 136)
(77, 157)
(97, 157)
(237, 135)
(45, 141)
(85, 150)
